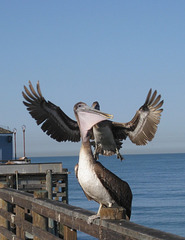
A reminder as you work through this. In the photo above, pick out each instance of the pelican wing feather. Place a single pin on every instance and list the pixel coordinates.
(143, 126)
(118, 189)
(52, 119)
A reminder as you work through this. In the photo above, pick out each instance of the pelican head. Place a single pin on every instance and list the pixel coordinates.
(96, 105)
(87, 117)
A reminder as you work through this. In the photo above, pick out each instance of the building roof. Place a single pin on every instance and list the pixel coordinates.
(4, 131)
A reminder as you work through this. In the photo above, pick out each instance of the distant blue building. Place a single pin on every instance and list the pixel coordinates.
(6, 144)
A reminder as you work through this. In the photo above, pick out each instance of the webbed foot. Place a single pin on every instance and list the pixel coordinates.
(92, 218)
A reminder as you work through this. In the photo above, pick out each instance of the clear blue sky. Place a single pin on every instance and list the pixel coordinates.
(110, 51)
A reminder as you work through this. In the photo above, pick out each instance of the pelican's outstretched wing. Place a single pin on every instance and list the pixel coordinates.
(53, 120)
(143, 126)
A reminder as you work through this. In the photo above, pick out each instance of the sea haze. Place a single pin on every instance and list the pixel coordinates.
(157, 182)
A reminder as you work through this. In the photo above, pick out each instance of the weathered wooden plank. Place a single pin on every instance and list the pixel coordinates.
(41, 234)
(60, 194)
(21, 199)
(31, 186)
(70, 234)
(20, 213)
(66, 199)
(9, 235)
(136, 231)
(3, 184)
(61, 185)
(49, 183)
(7, 215)
(113, 213)
(39, 220)
(106, 234)
(3, 207)
(10, 180)
(81, 225)
(25, 225)
(31, 168)
(49, 188)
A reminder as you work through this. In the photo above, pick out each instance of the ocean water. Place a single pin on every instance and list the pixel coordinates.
(157, 182)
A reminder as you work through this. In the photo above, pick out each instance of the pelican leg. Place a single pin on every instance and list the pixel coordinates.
(96, 154)
(93, 217)
(119, 156)
(98, 213)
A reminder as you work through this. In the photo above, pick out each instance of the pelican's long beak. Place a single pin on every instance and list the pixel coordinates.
(88, 117)
(94, 111)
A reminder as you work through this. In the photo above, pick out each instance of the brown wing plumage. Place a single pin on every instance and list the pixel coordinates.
(52, 119)
(118, 189)
(143, 126)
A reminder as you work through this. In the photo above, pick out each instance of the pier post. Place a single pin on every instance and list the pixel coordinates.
(4, 207)
(70, 234)
(20, 213)
(39, 221)
(49, 188)
(114, 213)
(49, 183)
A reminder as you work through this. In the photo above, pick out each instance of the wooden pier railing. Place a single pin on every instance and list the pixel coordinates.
(26, 216)
(37, 176)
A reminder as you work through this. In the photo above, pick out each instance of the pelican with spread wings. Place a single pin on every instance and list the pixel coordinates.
(107, 136)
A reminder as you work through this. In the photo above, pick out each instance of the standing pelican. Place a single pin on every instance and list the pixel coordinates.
(107, 136)
(97, 182)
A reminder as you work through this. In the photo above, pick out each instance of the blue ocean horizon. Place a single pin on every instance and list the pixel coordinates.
(157, 182)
